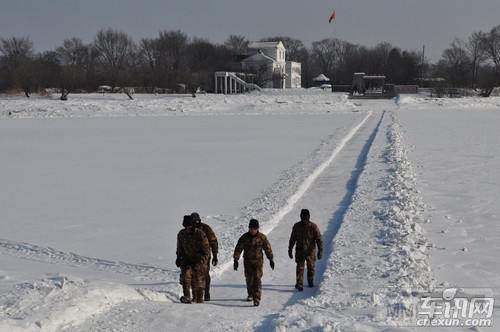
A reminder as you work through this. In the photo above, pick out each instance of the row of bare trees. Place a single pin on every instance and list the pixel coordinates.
(169, 61)
(472, 63)
(172, 60)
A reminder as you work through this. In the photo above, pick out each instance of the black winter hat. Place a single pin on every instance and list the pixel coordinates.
(196, 217)
(254, 223)
(187, 221)
(304, 213)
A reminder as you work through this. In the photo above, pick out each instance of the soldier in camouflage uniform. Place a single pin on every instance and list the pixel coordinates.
(305, 237)
(253, 244)
(192, 255)
(214, 246)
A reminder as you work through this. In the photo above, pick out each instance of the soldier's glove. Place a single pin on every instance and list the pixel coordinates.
(215, 260)
(271, 263)
(235, 265)
(290, 253)
(178, 262)
(320, 255)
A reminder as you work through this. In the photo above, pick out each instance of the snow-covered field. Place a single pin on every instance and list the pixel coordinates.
(93, 191)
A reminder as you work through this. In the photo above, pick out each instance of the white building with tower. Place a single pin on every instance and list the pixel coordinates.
(279, 74)
(267, 61)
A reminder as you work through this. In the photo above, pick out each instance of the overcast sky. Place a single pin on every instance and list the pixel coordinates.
(406, 23)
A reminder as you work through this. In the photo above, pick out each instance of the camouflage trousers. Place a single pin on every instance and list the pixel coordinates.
(193, 278)
(253, 276)
(207, 276)
(301, 261)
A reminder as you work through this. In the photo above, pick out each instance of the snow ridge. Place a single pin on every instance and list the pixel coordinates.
(407, 260)
(59, 303)
(51, 255)
(117, 105)
(379, 254)
(402, 230)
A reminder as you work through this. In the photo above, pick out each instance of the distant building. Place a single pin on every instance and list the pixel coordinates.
(263, 66)
(273, 49)
(322, 82)
(268, 61)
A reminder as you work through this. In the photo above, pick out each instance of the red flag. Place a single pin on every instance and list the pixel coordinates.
(333, 17)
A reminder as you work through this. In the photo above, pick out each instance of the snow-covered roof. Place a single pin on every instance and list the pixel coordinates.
(258, 57)
(321, 77)
(270, 44)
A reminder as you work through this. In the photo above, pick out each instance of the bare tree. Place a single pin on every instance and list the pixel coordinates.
(491, 44)
(173, 60)
(476, 53)
(73, 56)
(47, 69)
(18, 57)
(324, 53)
(343, 52)
(456, 63)
(164, 59)
(237, 44)
(489, 73)
(150, 58)
(202, 57)
(115, 51)
(380, 56)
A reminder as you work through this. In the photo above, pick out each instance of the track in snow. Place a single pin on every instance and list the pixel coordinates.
(53, 256)
(336, 220)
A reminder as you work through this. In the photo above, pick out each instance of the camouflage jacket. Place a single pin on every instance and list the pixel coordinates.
(252, 247)
(306, 236)
(192, 246)
(212, 239)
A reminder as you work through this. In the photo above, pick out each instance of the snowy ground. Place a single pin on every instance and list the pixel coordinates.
(94, 189)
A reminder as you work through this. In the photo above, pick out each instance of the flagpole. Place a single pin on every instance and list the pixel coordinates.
(333, 19)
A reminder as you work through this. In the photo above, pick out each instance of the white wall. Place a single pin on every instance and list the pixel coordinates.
(294, 75)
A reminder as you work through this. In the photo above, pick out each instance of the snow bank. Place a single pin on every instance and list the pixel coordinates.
(112, 105)
(379, 254)
(57, 303)
(402, 231)
(477, 103)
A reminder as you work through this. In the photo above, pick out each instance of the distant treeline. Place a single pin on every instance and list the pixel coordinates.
(172, 60)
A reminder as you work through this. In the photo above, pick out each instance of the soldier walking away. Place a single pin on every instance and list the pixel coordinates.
(253, 244)
(192, 255)
(214, 247)
(305, 237)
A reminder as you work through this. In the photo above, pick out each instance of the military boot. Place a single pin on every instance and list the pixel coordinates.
(207, 295)
(198, 297)
(185, 300)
